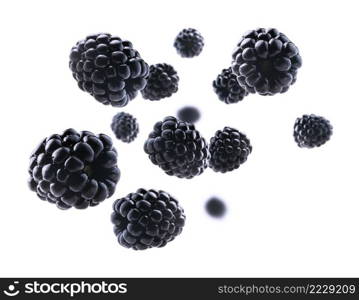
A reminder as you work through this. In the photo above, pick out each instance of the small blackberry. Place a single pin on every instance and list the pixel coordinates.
(215, 207)
(227, 87)
(229, 148)
(108, 68)
(266, 62)
(74, 169)
(312, 131)
(177, 148)
(189, 114)
(189, 43)
(147, 219)
(125, 127)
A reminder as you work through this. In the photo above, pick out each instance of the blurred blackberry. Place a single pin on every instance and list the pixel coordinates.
(266, 62)
(162, 82)
(108, 68)
(227, 87)
(189, 114)
(147, 219)
(74, 169)
(312, 131)
(189, 43)
(215, 207)
(125, 127)
(229, 148)
(177, 148)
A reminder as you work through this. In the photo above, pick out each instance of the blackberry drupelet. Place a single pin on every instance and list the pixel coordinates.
(177, 148)
(189, 43)
(125, 127)
(312, 131)
(266, 62)
(215, 207)
(162, 82)
(229, 148)
(227, 87)
(147, 219)
(74, 169)
(189, 114)
(108, 68)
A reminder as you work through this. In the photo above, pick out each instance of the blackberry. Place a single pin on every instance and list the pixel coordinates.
(125, 127)
(147, 219)
(74, 169)
(215, 207)
(189, 114)
(189, 43)
(177, 148)
(229, 148)
(227, 87)
(312, 131)
(266, 62)
(108, 68)
(162, 82)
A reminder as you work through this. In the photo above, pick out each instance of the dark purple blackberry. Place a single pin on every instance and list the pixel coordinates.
(147, 219)
(189, 114)
(215, 207)
(74, 169)
(189, 43)
(108, 68)
(125, 127)
(177, 148)
(266, 62)
(227, 87)
(162, 82)
(312, 131)
(229, 148)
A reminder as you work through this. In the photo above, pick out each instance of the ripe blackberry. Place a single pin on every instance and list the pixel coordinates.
(189, 43)
(147, 219)
(177, 148)
(229, 148)
(227, 87)
(74, 169)
(162, 82)
(266, 62)
(215, 207)
(108, 68)
(189, 114)
(125, 127)
(312, 131)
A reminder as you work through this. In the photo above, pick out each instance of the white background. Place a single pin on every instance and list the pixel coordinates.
(291, 211)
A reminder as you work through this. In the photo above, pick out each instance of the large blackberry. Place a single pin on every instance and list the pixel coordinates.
(146, 219)
(74, 169)
(227, 87)
(229, 148)
(189, 43)
(266, 62)
(312, 131)
(125, 127)
(162, 82)
(189, 114)
(108, 68)
(177, 148)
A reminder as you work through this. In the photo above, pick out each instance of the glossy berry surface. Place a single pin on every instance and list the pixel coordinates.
(215, 207)
(266, 62)
(74, 169)
(108, 68)
(227, 87)
(189, 114)
(189, 43)
(125, 127)
(177, 148)
(229, 149)
(312, 131)
(147, 219)
(162, 82)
